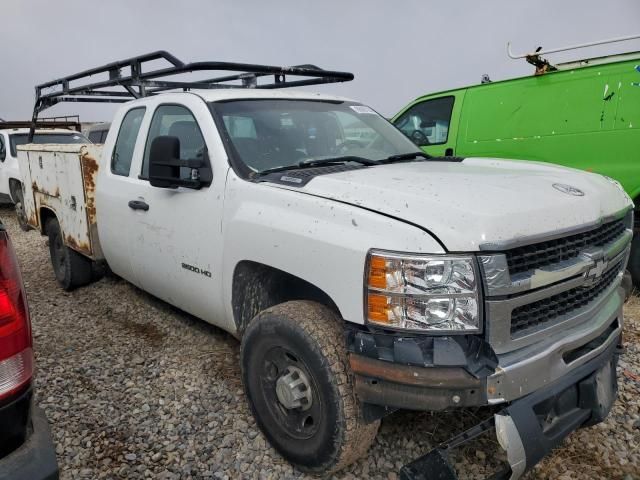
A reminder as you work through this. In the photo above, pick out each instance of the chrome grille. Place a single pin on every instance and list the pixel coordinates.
(531, 257)
(545, 312)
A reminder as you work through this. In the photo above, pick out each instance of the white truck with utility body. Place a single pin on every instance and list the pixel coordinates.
(13, 134)
(361, 275)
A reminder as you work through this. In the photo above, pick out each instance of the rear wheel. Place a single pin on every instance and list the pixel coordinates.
(297, 379)
(70, 268)
(21, 215)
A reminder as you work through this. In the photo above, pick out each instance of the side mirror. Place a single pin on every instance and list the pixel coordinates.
(165, 166)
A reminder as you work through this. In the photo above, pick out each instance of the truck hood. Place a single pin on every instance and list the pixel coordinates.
(478, 202)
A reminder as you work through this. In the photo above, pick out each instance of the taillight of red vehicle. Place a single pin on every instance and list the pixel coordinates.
(16, 352)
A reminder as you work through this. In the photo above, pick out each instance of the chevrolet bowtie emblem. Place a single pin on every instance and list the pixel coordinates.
(568, 189)
(596, 271)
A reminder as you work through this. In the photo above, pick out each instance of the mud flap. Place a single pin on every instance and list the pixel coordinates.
(529, 428)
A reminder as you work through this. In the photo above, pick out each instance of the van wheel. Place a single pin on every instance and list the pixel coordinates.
(21, 214)
(70, 268)
(297, 379)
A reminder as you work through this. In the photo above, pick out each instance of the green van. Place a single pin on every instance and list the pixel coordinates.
(584, 115)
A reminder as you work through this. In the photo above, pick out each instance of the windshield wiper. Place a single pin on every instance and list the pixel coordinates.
(320, 162)
(403, 157)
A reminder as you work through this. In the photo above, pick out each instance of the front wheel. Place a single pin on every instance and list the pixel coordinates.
(71, 269)
(297, 378)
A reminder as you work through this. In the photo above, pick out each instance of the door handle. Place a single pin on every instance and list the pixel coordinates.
(138, 205)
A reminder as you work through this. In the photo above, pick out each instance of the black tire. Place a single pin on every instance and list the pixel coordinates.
(634, 261)
(21, 215)
(309, 337)
(71, 269)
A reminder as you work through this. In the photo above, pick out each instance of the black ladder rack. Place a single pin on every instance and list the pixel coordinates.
(70, 122)
(127, 80)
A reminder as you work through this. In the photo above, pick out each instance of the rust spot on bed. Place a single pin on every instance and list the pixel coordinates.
(79, 246)
(89, 174)
(36, 188)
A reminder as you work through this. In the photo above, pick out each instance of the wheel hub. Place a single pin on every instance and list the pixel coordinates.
(293, 389)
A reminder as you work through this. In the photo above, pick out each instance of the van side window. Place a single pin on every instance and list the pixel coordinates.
(126, 141)
(427, 123)
(3, 149)
(175, 121)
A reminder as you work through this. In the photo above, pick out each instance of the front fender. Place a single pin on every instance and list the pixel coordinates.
(316, 239)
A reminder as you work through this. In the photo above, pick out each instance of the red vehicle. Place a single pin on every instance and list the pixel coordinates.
(26, 447)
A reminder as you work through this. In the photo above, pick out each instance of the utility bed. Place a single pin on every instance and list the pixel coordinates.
(59, 182)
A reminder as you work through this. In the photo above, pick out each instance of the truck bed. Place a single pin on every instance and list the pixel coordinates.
(61, 179)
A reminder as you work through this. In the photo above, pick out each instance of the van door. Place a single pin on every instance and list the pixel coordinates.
(432, 124)
(623, 151)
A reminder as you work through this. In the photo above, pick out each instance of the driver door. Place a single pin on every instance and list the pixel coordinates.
(177, 239)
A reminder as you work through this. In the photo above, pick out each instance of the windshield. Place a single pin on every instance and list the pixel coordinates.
(268, 134)
(40, 138)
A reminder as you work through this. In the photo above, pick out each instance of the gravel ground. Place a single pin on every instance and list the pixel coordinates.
(136, 389)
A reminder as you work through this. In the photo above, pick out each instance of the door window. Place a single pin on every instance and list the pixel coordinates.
(175, 121)
(3, 149)
(126, 141)
(427, 123)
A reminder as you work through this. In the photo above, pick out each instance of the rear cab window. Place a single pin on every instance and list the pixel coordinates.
(95, 137)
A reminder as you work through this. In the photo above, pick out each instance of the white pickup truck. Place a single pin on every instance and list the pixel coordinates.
(360, 275)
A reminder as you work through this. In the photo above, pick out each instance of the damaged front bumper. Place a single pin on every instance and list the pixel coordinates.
(548, 389)
(529, 428)
(438, 373)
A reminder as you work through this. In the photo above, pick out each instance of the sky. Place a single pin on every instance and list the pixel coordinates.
(398, 50)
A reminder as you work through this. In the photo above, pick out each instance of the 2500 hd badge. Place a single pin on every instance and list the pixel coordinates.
(193, 269)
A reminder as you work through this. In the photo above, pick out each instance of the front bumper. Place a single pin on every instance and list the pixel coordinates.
(436, 373)
(529, 428)
(35, 459)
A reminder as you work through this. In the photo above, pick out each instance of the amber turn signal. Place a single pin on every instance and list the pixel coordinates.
(377, 272)
(378, 308)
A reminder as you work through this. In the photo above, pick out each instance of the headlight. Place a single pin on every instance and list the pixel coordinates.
(437, 293)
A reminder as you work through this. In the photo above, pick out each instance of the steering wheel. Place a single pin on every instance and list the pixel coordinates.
(348, 145)
(419, 138)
